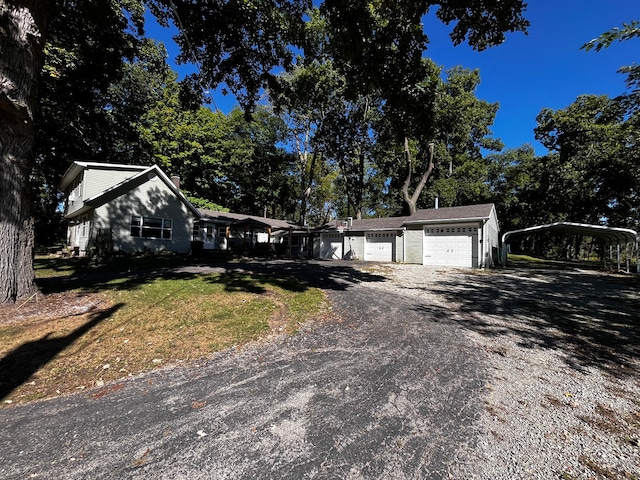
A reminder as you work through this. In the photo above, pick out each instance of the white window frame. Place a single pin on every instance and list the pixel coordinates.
(146, 225)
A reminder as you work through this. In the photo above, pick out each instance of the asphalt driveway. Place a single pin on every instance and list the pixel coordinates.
(388, 389)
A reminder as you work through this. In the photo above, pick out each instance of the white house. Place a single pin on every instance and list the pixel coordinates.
(139, 208)
(464, 236)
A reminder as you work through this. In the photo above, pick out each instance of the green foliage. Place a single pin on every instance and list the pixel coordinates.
(594, 175)
(206, 204)
(627, 32)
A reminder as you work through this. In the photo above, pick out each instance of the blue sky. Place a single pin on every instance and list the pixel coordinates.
(545, 68)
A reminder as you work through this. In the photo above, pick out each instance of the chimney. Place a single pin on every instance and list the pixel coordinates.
(176, 181)
(437, 202)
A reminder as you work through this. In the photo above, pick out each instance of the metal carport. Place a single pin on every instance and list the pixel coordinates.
(608, 235)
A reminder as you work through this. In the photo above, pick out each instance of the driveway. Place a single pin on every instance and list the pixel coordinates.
(387, 387)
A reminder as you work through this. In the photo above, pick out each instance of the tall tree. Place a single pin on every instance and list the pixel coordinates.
(24, 28)
(596, 145)
(240, 44)
(304, 95)
(85, 43)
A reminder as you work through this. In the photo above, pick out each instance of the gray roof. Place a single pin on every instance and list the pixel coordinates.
(448, 214)
(393, 223)
(429, 215)
(228, 218)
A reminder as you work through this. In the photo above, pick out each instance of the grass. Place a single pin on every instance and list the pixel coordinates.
(103, 331)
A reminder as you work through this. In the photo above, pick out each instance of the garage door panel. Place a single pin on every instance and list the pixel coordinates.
(451, 247)
(379, 247)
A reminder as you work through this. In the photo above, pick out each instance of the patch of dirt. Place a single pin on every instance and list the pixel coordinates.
(40, 308)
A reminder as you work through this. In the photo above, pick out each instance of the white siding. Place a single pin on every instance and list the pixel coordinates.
(75, 194)
(98, 180)
(151, 199)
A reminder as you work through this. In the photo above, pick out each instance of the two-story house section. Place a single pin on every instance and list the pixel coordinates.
(138, 208)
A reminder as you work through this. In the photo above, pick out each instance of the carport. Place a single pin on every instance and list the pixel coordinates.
(609, 236)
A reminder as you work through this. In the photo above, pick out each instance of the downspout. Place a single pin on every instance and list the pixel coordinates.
(404, 244)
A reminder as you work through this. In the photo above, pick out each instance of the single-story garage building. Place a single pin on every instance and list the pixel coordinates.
(456, 236)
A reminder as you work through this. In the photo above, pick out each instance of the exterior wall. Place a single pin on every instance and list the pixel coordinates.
(90, 182)
(413, 244)
(325, 246)
(151, 199)
(354, 242)
(98, 180)
(79, 232)
(491, 242)
(398, 248)
(75, 194)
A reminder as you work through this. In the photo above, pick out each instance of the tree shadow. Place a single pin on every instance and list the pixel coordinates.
(21, 363)
(237, 276)
(592, 318)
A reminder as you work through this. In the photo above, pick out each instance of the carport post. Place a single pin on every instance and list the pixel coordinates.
(626, 254)
(618, 251)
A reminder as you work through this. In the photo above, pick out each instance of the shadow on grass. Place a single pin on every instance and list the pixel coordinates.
(21, 363)
(591, 318)
(240, 276)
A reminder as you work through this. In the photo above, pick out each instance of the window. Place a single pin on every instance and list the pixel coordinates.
(151, 227)
(222, 232)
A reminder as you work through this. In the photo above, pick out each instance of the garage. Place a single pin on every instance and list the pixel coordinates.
(451, 246)
(379, 246)
(331, 246)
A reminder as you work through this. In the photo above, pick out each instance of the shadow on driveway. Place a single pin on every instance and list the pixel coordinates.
(592, 317)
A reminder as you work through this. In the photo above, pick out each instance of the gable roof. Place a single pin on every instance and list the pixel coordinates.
(452, 214)
(239, 219)
(140, 175)
(430, 215)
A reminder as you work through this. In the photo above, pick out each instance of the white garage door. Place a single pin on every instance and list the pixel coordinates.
(449, 246)
(379, 246)
(331, 246)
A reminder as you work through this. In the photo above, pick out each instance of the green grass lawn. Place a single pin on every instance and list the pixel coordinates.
(98, 332)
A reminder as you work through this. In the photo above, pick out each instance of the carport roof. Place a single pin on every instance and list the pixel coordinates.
(609, 235)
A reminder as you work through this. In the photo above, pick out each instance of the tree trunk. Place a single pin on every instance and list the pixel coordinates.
(412, 200)
(22, 24)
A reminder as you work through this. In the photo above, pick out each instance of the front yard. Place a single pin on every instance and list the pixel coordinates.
(95, 326)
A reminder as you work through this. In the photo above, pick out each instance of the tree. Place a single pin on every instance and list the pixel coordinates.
(304, 95)
(24, 28)
(630, 100)
(595, 172)
(448, 128)
(81, 37)
(240, 44)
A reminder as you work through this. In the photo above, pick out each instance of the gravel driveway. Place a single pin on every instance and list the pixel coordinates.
(419, 373)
